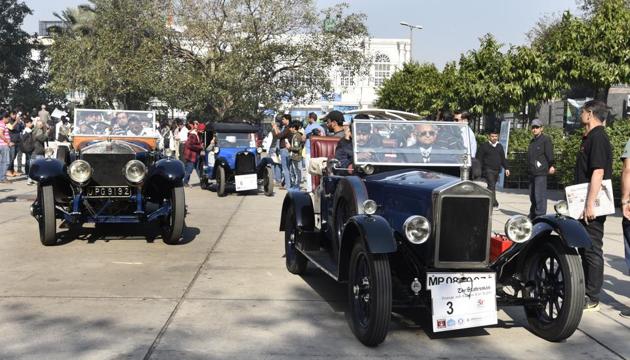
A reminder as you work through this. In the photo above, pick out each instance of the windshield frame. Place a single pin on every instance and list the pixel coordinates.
(80, 115)
(395, 150)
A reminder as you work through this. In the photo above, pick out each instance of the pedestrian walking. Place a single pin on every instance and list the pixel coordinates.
(593, 165)
(15, 126)
(43, 114)
(464, 118)
(625, 209)
(295, 147)
(491, 157)
(5, 144)
(540, 162)
(282, 134)
(27, 145)
(312, 129)
(192, 149)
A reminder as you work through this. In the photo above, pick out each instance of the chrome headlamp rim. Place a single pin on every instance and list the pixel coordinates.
(519, 228)
(425, 226)
(370, 207)
(561, 208)
(135, 177)
(80, 177)
(367, 169)
(259, 150)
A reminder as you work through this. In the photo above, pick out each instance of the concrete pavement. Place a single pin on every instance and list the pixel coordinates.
(116, 293)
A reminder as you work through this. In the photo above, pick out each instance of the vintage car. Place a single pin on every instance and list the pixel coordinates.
(233, 160)
(111, 173)
(404, 227)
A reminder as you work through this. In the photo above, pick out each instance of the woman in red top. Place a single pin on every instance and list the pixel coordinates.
(192, 149)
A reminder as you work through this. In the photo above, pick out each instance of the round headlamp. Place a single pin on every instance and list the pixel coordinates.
(367, 169)
(169, 153)
(215, 149)
(80, 171)
(417, 229)
(370, 207)
(519, 228)
(562, 208)
(135, 171)
(259, 150)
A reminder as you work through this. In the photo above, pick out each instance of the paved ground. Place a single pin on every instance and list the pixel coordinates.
(115, 293)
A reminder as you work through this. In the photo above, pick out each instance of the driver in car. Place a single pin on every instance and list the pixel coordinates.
(426, 136)
(122, 124)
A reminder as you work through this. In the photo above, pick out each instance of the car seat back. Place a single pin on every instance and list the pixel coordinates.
(322, 146)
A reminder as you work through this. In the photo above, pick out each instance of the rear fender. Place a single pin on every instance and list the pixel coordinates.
(303, 206)
(373, 230)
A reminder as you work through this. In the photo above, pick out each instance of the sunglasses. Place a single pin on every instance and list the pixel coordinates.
(535, 127)
(427, 133)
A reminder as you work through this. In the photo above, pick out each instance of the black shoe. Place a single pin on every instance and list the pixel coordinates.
(625, 314)
(590, 305)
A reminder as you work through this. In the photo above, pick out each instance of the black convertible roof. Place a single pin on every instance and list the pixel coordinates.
(233, 127)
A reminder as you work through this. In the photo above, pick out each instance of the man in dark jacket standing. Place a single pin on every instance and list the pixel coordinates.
(492, 158)
(539, 163)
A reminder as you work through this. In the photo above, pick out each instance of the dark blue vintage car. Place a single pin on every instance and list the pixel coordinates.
(111, 174)
(233, 160)
(403, 226)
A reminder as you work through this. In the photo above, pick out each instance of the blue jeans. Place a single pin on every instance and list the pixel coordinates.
(296, 174)
(5, 155)
(190, 166)
(285, 161)
(537, 196)
(12, 153)
(625, 223)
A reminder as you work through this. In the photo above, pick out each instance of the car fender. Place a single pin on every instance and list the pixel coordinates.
(373, 230)
(571, 231)
(264, 162)
(303, 206)
(47, 171)
(221, 161)
(166, 172)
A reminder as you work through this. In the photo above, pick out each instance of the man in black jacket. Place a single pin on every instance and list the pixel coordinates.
(539, 163)
(492, 158)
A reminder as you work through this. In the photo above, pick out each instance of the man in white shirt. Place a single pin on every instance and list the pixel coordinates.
(463, 117)
(182, 136)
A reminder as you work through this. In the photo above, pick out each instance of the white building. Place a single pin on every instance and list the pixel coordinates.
(359, 92)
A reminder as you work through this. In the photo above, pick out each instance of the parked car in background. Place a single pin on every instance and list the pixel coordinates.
(233, 160)
(111, 173)
(404, 227)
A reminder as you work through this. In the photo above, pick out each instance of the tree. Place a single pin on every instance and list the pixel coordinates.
(15, 47)
(414, 89)
(112, 50)
(32, 89)
(236, 58)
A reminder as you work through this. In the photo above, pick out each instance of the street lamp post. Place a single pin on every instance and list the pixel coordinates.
(411, 27)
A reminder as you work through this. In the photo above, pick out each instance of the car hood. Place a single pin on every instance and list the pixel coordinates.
(112, 147)
(416, 179)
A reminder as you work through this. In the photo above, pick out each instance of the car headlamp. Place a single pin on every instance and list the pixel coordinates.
(518, 228)
(80, 171)
(169, 153)
(417, 229)
(215, 149)
(259, 150)
(562, 208)
(135, 171)
(370, 207)
(367, 169)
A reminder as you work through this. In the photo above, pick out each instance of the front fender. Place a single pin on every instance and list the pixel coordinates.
(303, 206)
(167, 173)
(264, 162)
(570, 230)
(375, 233)
(220, 161)
(47, 171)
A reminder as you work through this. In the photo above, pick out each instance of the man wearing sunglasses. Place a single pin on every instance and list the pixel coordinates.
(540, 162)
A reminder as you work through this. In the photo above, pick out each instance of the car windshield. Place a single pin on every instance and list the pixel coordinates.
(114, 123)
(239, 140)
(394, 142)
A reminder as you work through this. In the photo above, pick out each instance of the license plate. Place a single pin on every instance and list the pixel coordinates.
(246, 182)
(108, 191)
(462, 300)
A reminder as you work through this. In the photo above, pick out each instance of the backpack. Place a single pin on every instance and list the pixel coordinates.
(27, 143)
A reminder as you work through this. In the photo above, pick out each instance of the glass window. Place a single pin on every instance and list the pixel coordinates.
(382, 68)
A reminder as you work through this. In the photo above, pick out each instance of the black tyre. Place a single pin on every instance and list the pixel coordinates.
(554, 275)
(221, 181)
(203, 179)
(47, 220)
(174, 225)
(369, 295)
(296, 262)
(268, 181)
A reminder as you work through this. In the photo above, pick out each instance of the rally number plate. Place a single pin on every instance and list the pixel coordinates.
(246, 182)
(462, 300)
(108, 191)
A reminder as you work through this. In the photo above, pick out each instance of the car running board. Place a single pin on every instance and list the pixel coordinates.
(322, 259)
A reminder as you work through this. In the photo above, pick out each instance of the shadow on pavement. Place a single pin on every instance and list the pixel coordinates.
(117, 232)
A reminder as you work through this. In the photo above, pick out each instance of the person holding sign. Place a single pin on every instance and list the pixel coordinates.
(593, 165)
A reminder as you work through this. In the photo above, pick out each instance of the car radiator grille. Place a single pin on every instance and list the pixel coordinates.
(107, 168)
(245, 163)
(463, 232)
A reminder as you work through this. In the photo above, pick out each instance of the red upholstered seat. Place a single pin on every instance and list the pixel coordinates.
(322, 146)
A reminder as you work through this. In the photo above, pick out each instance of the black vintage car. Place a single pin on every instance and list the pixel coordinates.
(403, 231)
(112, 173)
(233, 160)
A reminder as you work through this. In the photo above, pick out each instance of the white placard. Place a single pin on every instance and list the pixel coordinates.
(462, 300)
(576, 199)
(246, 182)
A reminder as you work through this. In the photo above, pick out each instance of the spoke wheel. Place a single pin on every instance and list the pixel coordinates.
(369, 295)
(295, 261)
(174, 225)
(47, 220)
(555, 278)
(221, 181)
(268, 181)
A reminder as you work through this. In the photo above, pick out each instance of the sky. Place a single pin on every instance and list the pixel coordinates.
(451, 27)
